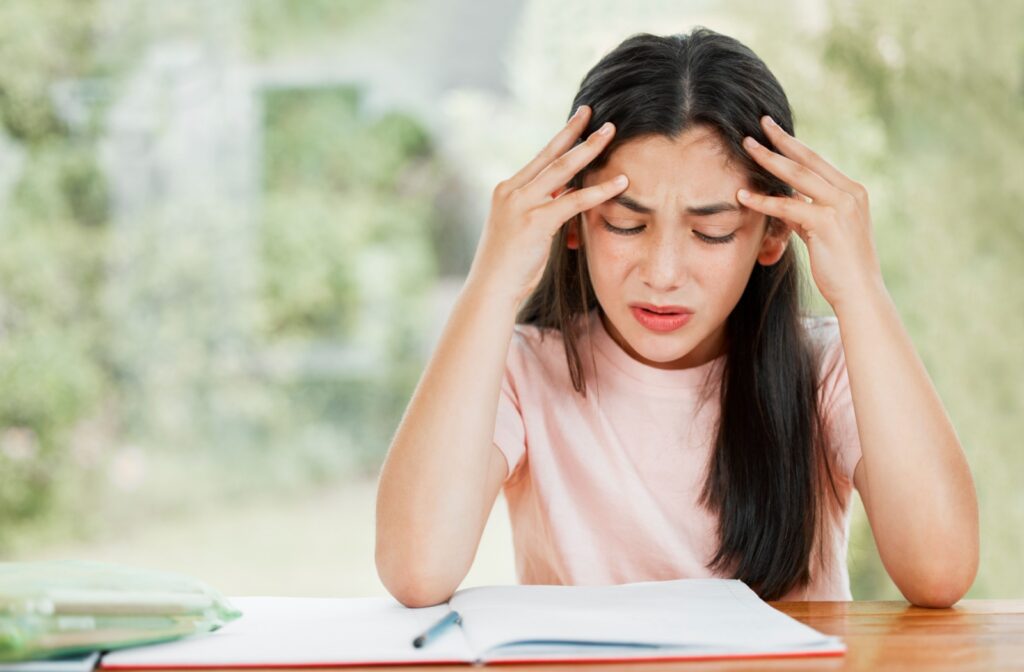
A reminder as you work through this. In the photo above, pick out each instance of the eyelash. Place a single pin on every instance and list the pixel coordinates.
(710, 240)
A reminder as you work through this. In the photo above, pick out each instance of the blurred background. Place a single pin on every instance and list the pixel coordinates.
(232, 231)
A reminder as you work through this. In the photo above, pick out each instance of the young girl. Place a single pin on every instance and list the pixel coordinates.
(629, 361)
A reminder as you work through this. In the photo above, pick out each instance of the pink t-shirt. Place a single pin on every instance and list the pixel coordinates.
(604, 489)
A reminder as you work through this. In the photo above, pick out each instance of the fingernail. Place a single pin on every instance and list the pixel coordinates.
(749, 142)
(620, 181)
(744, 194)
(606, 128)
(771, 122)
(576, 113)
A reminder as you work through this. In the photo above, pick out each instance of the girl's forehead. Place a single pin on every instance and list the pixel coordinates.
(692, 167)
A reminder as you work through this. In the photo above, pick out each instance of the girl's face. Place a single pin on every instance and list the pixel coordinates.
(681, 242)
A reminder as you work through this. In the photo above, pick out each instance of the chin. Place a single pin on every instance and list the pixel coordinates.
(661, 348)
(664, 353)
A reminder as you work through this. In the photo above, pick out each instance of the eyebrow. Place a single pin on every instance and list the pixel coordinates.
(699, 210)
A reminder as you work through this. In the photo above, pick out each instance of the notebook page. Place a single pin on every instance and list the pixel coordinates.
(278, 631)
(720, 614)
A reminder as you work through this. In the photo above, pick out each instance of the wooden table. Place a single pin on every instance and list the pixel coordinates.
(972, 635)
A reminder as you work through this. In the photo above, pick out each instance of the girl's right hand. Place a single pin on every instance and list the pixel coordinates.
(516, 240)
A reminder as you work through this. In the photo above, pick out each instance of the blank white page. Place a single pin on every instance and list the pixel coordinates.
(712, 614)
(306, 631)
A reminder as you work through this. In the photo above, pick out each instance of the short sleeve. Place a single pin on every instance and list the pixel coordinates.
(509, 429)
(836, 401)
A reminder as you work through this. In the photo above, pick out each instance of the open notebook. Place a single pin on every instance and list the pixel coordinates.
(653, 620)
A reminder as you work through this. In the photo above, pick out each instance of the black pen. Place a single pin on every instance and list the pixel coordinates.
(452, 618)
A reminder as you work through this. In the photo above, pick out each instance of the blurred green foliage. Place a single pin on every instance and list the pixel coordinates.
(347, 252)
(345, 259)
(329, 183)
(276, 26)
(51, 370)
(39, 45)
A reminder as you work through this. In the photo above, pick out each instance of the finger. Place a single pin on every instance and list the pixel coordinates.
(797, 229)
(557, 146)
(793, 226)
(565, 167)
(795, 174)
(570, 204)
(793, 211)
(801, 153)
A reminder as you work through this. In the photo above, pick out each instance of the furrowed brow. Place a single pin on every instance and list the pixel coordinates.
(697, 210)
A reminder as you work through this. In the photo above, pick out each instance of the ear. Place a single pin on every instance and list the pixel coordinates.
(572, 234)
(773, 245)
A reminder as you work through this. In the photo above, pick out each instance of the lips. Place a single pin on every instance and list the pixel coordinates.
(662, 310)
(660, 319)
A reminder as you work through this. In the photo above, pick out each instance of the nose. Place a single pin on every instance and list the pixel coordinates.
(664, 264)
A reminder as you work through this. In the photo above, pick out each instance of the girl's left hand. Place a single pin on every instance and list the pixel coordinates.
(834, 223)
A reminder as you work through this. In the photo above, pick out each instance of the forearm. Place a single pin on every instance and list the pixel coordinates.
(431, 501)
(922, 508)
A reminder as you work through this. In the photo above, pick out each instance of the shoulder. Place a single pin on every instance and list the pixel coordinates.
(534, 346)
(834, 394)
(824, 336)
(833, 379)
(531, 341)
(537, 356)
(821, 328)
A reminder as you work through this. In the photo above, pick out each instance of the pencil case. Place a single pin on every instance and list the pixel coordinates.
(56, 608)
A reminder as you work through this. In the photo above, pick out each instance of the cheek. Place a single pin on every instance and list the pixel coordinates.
(724, 265)
(608, 259)
(727, 274)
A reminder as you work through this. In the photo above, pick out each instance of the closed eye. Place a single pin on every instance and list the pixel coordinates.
(710, 240)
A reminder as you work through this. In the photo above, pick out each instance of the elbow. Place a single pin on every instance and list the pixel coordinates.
(415, 591)
(417, 595)
(942, 587)
(414, 588)
(415, 568)
(941, 597)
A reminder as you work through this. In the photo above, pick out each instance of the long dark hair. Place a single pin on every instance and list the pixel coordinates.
(770, 474)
